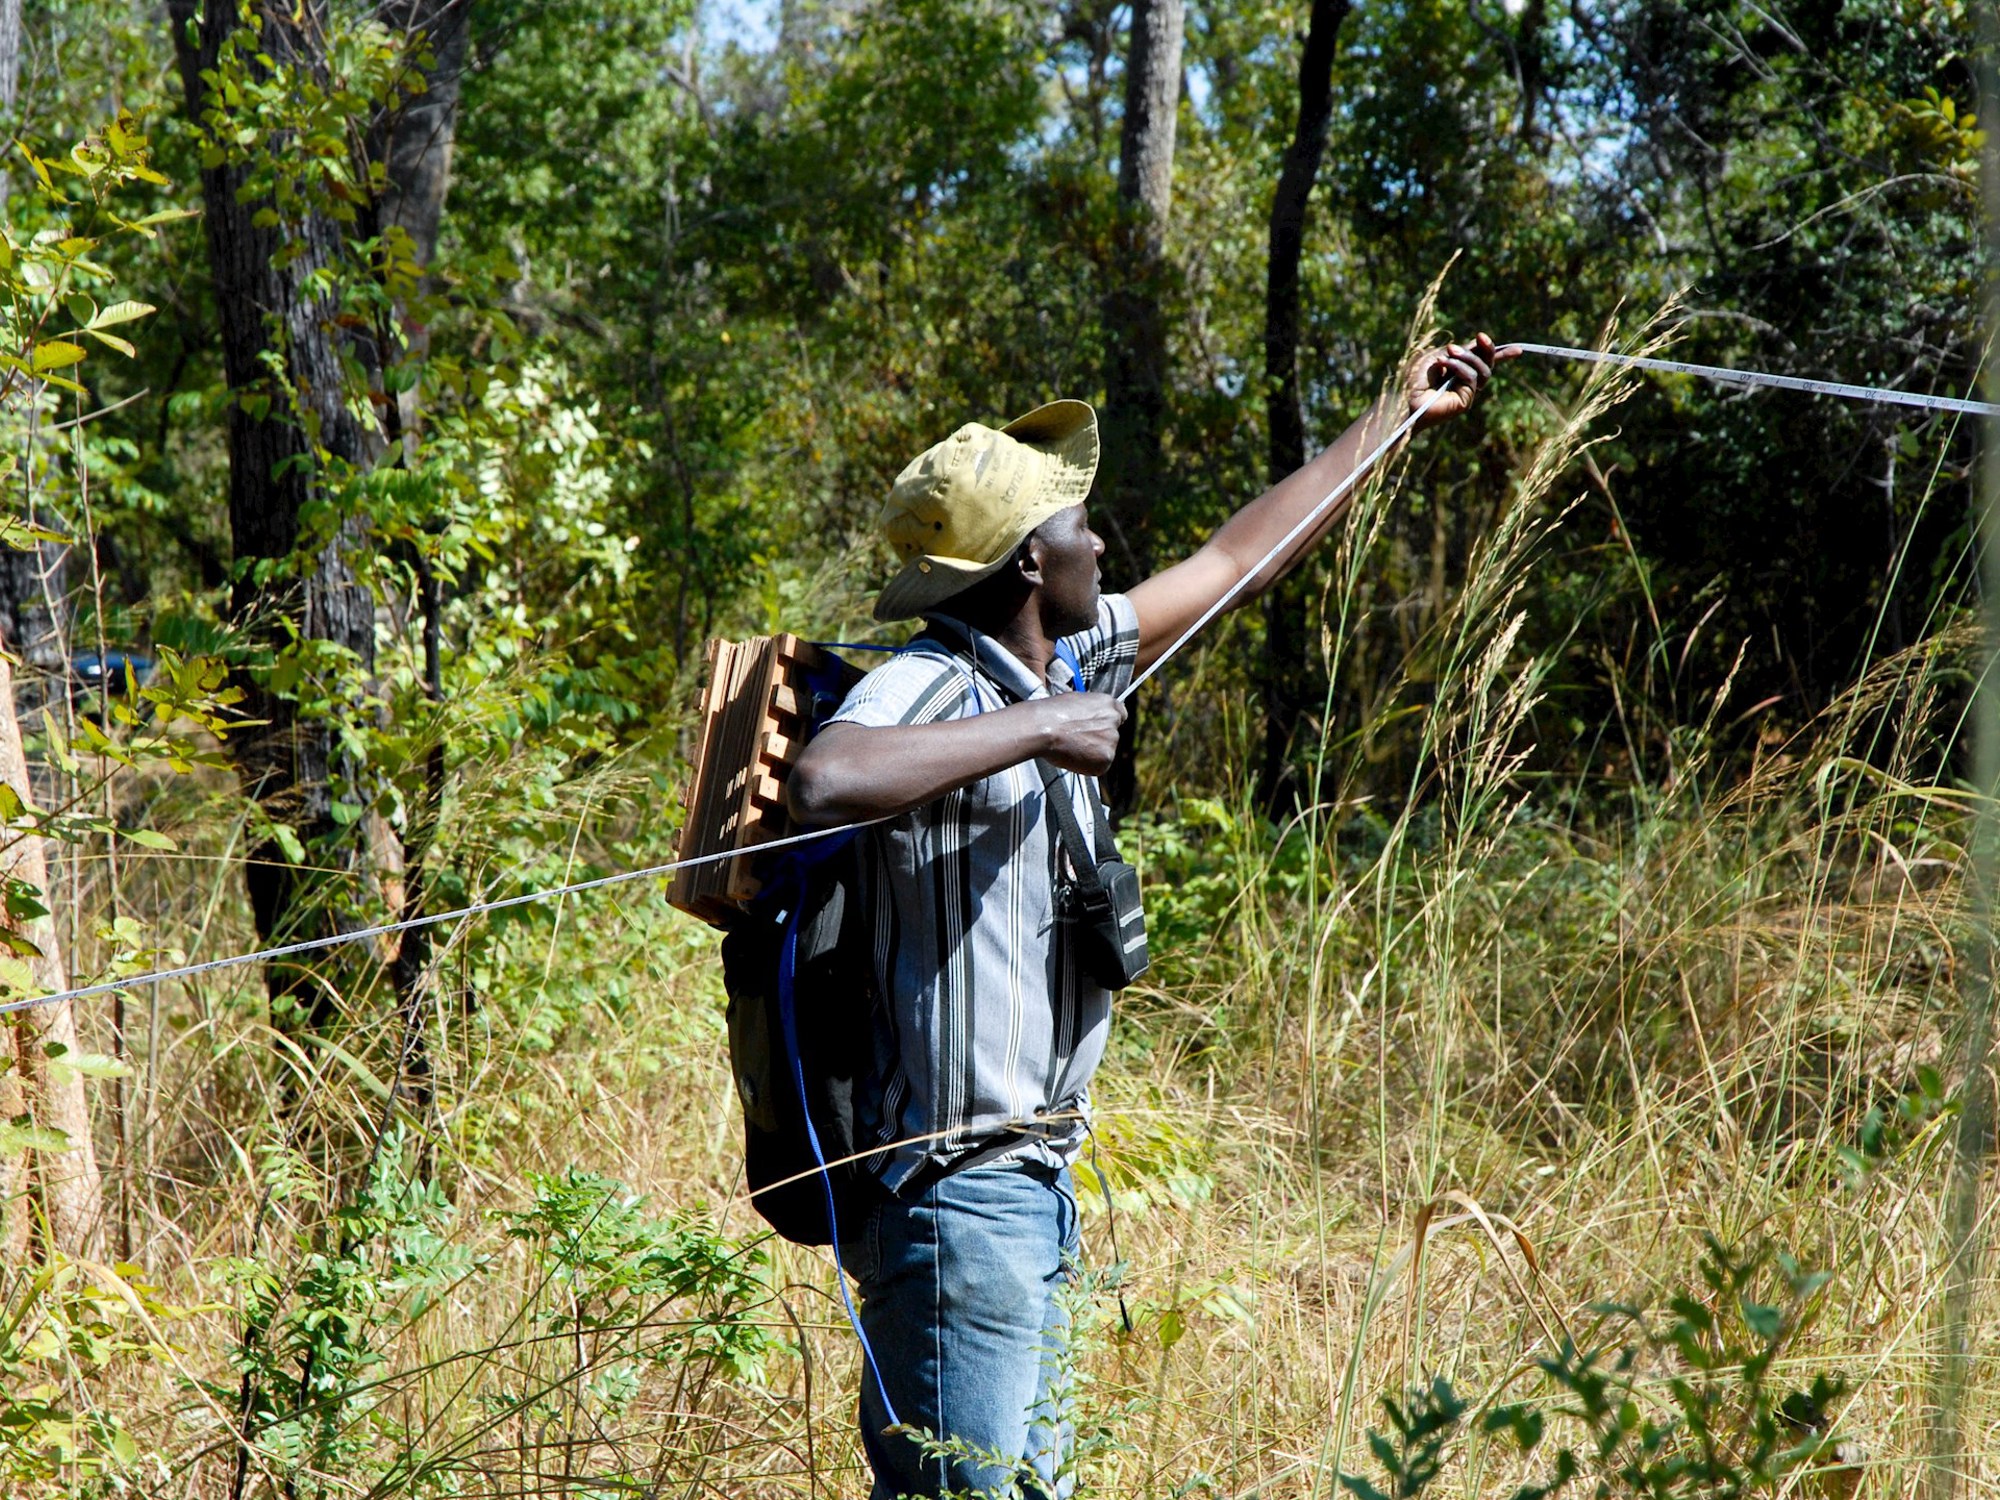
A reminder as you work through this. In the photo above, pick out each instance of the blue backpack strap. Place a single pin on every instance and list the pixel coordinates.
(1067, 656)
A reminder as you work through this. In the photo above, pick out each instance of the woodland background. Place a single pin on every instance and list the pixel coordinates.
(1558, 887)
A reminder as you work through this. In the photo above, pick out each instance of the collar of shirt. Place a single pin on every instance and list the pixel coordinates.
(995, 662)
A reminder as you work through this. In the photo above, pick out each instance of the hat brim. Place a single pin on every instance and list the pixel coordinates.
(1066, 431)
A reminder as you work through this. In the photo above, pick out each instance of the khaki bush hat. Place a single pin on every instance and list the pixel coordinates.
(958, 511)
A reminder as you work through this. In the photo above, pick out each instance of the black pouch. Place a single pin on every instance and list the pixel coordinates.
(1100, 911)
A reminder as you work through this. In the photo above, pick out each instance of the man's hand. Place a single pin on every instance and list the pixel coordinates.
(1237, 562)
(1459, 370)
(850, 773)
(1081, 730)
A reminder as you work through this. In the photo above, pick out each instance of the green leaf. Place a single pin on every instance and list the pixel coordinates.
(123, 312)
(89, 1065)
(1523, 1421)
(1763, 1320)
(147, 838)
(14, 943)
(55, 354)
(112, 341)
(23, 901)
(18, 1134)
(80, 307)
(41, 167)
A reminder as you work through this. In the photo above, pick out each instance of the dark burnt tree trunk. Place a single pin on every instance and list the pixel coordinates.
(1136, 371)
(415, 146)
(287, 580)
(1286, 677)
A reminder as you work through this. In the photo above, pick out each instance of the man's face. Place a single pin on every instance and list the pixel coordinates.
(1067, 551)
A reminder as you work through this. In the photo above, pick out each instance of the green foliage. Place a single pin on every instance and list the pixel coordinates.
(66, 1328)
(319, 1321)
(48, 270)
(1892, 1133)
(630, 1289)
(1690, 1407)
(1413, 1457)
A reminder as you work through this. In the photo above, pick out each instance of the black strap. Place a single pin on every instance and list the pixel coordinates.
(1080, 854)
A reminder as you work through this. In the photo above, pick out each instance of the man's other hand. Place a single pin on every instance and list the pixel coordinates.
(1460, 370)
(1080, 730)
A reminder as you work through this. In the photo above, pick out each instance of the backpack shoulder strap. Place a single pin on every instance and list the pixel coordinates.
(1067, 656)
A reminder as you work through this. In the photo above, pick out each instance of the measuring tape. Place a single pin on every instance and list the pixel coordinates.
(1880, 395)
(1877, 394)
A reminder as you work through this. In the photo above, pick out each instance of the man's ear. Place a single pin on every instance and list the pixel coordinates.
(1028, 561)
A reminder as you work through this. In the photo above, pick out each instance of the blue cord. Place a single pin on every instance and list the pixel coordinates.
(788, 960)
(791, 882)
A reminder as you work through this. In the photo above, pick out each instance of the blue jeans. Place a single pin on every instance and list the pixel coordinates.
(959, 1301)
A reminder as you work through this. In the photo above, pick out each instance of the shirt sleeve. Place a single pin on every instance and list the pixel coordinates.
(916, 688)
(1109, 650)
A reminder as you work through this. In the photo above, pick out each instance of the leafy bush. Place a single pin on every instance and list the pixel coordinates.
(65, 1327)
(1683, 1410)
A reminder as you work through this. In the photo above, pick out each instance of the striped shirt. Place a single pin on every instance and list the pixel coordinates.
(989, 1036)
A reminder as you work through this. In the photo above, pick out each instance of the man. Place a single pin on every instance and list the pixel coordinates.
(988, 1034)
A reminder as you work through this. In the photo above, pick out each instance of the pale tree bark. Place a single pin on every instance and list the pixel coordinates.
(269, 312)
(1284, 676)
(33, 582)
(66, 1183)
(10, 53)
(1135, 377)
(16, 1216)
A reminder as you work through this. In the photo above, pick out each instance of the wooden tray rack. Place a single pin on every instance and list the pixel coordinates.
(756, 715)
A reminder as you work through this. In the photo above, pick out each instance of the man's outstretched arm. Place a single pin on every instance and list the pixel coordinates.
(1173, 599)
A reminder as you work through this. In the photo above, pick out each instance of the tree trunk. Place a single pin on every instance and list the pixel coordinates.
(1135, 376)
(34, 582)
(16, 1216)
(417, 154)
(71, 1191)
(1286, 687)
(10, 73)
(415, 149)
(274, 474)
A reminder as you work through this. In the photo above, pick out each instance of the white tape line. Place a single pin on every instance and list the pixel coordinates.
(1879, 394)
(1304, 525)
(313, 945)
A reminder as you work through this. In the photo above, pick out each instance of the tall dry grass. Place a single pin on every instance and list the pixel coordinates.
(1411, 1094)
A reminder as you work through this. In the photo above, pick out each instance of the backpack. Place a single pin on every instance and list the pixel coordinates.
(797, 1065)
